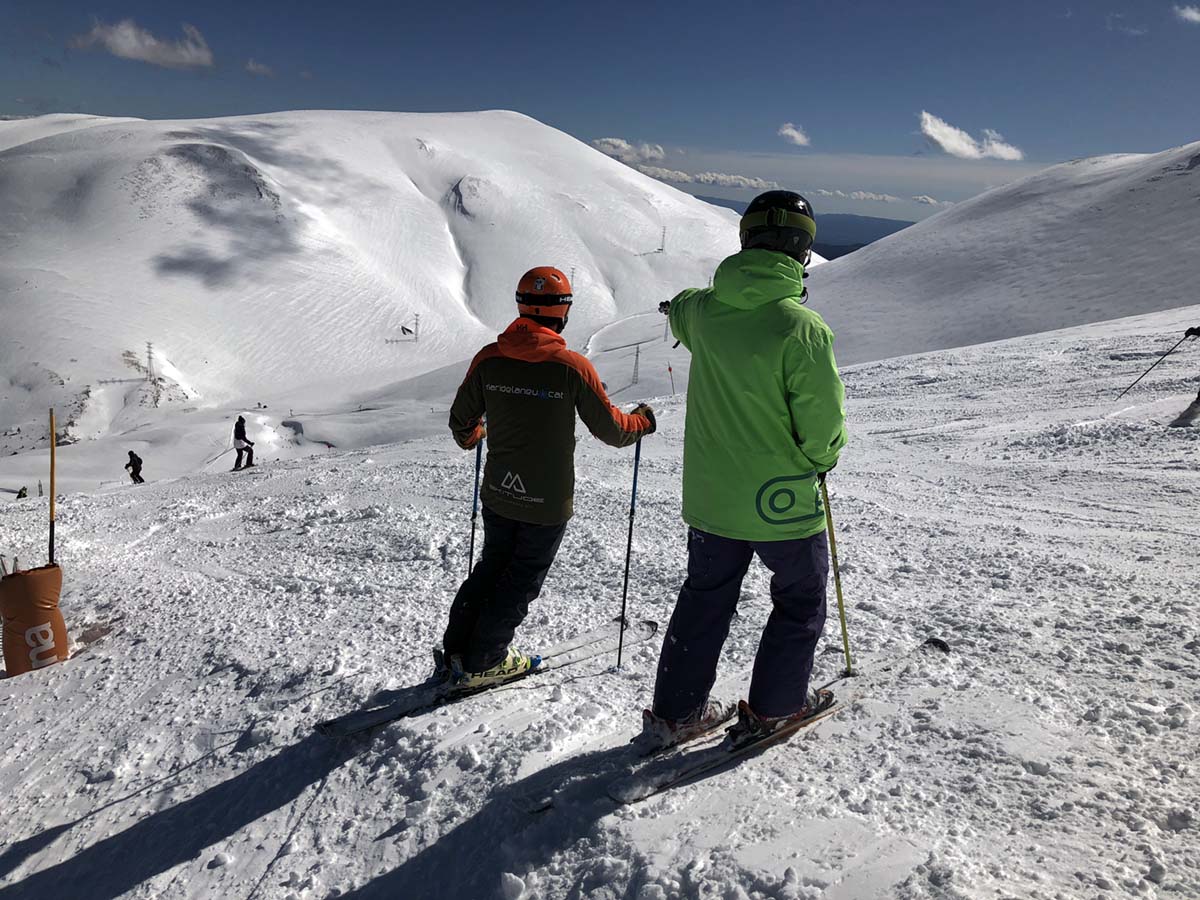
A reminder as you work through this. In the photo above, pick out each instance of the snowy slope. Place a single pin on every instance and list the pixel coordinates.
(995, 496)
(1086, 241)
(14, 132)
(271, 258)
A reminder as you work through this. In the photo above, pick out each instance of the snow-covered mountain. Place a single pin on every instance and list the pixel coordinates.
(274, 262)
(1085, 241)
(272, 258)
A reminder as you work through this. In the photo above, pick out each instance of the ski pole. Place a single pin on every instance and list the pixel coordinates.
(475, 504)
(837, 574)
(637, 460)
(1151, 369)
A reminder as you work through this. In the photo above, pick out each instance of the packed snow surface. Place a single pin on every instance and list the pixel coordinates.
(997, 497)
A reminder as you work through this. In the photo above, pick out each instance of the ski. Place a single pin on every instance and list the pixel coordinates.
(430, 695)
(662, 774)
(678, 769)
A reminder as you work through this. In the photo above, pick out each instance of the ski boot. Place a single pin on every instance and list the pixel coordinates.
(441, 666)
(751, 727)
(514, 665)
(1189, 417)
(659, 733)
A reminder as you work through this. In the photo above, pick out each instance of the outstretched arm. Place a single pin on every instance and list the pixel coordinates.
(680, 311)
(602, 419)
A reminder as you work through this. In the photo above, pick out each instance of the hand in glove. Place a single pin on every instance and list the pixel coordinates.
(1191, 332)
(644, 409)
(665, 307)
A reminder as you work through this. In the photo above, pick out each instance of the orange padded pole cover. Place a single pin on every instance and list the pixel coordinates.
(35, 635)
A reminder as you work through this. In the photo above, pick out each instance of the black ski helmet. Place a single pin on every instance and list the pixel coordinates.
(781, 221)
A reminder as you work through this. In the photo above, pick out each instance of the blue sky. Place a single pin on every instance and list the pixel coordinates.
(685, 88)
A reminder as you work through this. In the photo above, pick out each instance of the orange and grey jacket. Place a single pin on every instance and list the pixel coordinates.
(529, 385)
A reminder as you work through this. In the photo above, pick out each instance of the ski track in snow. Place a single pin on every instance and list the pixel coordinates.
(994, 496)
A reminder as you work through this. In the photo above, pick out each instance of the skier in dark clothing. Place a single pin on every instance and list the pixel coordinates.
(765, 421)
(530, 387)
(134, 468)
(1191, 415)
(1194, 332)
(243, 445)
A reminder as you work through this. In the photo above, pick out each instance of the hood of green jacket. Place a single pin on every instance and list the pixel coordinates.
(754, 278)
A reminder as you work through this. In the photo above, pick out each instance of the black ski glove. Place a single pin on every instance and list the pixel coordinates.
(1192, 332)
(643, 409)
(665, 307)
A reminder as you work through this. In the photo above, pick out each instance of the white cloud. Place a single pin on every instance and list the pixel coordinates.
(1188, 14)
(130, 41)
(858, 195)
(931, 201)
(672, 175)
(629, 153)
(257, 68)
(1113, 22)
(871, 195)
(719, 179)
(958, 143)
(638, 155)
(793, 133)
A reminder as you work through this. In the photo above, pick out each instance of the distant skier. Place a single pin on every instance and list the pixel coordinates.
(1191, 415)
(134, 468)
(243, 445)
(529, 386)
(765, 421)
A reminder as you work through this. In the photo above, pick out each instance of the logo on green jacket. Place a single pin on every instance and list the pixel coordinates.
(788, 500)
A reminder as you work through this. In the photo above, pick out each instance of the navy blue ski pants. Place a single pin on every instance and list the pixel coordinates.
(495, 598)
(707, 602)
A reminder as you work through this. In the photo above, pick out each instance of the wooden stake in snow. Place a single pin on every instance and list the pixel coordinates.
(53, 477)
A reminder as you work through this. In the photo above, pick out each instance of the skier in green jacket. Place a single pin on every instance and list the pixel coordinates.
(765, 422)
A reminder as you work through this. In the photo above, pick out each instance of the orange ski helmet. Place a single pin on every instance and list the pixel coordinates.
(544, 291)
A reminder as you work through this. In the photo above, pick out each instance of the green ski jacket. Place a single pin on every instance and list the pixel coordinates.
(765, 404)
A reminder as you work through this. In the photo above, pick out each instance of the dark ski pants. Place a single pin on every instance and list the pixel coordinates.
(495, 598)
(707, 601)
(135, 475)
(249, 453)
